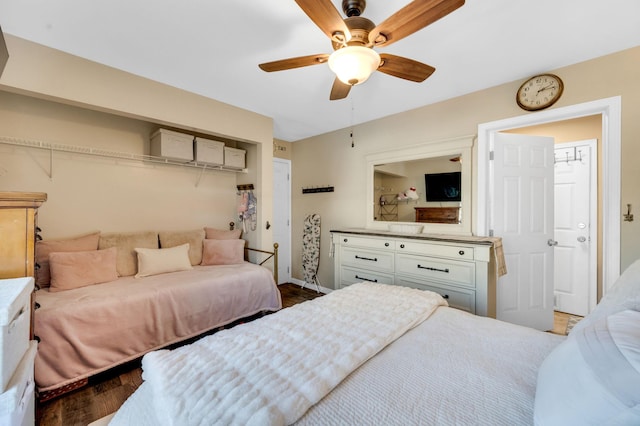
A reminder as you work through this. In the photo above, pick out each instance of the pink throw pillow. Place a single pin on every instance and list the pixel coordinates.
(221, 234)
(71, 270)
(223, 252)
(44, 248)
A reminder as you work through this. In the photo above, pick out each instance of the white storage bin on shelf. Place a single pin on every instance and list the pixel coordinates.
(17, 403)
(234, 158)
(15, 314)
(208, 152)
(172, 145)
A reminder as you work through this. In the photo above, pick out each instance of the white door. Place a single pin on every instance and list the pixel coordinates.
(575, 227)
(521, 182)
(282, 216)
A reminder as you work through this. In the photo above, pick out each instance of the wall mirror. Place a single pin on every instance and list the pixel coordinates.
(400, 192)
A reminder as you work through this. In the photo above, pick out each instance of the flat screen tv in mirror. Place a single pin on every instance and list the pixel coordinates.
(443, 186)
(393, 171)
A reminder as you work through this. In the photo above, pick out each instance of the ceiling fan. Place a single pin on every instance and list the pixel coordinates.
(354, 37)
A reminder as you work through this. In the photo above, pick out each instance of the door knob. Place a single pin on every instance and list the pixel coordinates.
(582, 239)
(551, 242)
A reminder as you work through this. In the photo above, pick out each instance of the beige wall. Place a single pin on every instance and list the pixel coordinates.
(54, 97)
(87, 193)
(118, 110)
(329, 158)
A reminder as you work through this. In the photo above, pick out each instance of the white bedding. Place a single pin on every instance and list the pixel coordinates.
(272, 371)
(454, 368)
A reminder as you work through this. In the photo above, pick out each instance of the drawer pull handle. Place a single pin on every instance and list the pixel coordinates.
(401, 245)
(375, 259)
(461, 252)
(366, 279)
(445, 296)
(345, 240)
(434, 269)
(386, 244)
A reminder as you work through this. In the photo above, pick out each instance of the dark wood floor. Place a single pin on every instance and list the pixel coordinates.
(107, 391)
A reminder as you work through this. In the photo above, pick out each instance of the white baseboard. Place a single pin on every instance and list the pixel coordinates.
(324, 290)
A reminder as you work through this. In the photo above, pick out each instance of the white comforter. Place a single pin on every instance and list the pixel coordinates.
(272, 371)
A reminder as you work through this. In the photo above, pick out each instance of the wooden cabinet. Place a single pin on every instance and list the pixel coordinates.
(457, 270)
(438, 214)
(18, 223)
(18, 233)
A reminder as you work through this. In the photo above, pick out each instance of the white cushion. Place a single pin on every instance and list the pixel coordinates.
(624, 294)
(593, 377)
(159, 261)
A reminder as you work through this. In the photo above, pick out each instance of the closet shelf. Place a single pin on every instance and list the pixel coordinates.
(99, 152)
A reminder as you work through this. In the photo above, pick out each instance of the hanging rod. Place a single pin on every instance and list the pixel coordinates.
(99, 152)
(245, 187)
(577, 156)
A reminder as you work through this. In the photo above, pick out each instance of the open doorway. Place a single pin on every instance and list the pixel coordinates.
(578, 221)
(608, 113)
(575, 227)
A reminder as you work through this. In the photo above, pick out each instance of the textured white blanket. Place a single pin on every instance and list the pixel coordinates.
(273, 370)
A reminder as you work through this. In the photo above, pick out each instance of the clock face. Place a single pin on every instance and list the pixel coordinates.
(539, 92)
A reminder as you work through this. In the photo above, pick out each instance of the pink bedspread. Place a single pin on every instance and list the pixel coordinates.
(91, 329)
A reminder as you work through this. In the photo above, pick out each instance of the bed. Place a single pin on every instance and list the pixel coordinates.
(168, 294)
(436, 365)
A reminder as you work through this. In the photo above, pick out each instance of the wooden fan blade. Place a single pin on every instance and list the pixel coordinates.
(300, 61)
(339, 90)
(325, 15)
(405, 68)
(411, 18)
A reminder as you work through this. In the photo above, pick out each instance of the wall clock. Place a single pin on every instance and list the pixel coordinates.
(539, 92)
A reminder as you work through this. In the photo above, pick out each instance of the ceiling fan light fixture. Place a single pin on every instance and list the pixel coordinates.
(354, 64)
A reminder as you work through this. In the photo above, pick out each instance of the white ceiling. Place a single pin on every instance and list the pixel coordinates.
(213, 48)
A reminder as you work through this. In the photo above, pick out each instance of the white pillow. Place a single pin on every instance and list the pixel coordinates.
(623, 295)
(593, 377)
(159, 261)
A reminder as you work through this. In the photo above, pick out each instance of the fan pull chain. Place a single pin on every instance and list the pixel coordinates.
(351, 134)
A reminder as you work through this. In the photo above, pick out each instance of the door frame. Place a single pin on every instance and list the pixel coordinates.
(610, 111)
(592, 299)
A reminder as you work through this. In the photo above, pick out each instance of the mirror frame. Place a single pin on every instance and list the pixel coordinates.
(462, 146)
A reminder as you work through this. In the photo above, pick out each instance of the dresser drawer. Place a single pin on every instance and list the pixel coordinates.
(368, 259)
(430, 249)
(460, 273)
(352, 275)
(373, 243)
(458, 298)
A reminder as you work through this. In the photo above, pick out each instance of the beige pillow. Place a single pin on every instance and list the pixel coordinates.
(223, 252)
(71, 270)
(44, 248)
(221, 234)
(159, 261)
(126, 242)
(176, 238)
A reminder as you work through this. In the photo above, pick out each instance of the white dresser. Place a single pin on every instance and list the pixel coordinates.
(459, 269)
